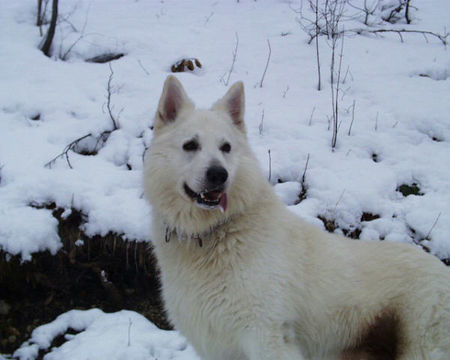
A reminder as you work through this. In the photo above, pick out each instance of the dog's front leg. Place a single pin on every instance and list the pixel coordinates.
(270, 344)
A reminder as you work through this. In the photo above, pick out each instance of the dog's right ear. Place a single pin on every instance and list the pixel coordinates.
(173, 100)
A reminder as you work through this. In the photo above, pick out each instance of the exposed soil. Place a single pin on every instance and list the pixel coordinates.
(35, 292)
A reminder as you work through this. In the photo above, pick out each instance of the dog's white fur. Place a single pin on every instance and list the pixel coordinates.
(256, 282)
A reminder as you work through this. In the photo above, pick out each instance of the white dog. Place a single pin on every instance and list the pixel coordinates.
(244, 278)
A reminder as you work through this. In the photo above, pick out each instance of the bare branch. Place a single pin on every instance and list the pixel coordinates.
(441, 37)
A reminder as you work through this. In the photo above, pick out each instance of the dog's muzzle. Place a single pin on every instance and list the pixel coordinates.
(208, 199)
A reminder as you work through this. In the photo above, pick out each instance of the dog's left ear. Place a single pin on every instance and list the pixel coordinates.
(233, 103)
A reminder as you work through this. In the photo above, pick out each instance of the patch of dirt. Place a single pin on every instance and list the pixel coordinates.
(103, 272)
(410, 189)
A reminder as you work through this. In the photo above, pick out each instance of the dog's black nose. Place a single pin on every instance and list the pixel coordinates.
(216, 175)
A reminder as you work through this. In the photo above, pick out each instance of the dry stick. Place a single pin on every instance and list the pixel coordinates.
(336, 112)
(319, 81)
(304, 171)
(261, 124)
(353, 118)
(311, 117)
(39, 17)
(333, 47)
(234, 59)
(302, 195)
(339, 200)
(267, 64)
(270, 165)
(129, 331)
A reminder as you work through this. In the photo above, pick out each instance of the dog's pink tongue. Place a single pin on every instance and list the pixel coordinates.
(223, 202)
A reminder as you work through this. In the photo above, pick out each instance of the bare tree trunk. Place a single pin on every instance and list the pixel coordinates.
(51, 30)
(39, 12)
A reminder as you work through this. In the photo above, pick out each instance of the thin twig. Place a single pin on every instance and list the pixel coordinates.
(142, 67)
(304, 190)
(108, 99)
(432, 227)
(339, 200)
(66, 150)
(207, 18)
(353, 118)
(270, 165)
(267, 64)
(82, 35)
(236, 45)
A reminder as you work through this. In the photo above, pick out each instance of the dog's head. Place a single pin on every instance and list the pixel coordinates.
(194, 155)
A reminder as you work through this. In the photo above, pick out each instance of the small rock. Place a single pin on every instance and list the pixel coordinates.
(186, 64)
(4, 307)
(12, 339)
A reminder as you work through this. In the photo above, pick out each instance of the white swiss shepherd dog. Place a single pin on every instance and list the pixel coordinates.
(243, 278)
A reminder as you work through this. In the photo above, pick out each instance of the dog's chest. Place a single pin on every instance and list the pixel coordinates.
(207, 293)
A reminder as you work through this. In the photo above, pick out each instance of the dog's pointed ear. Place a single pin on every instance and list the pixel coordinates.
(233, 103)
(173, 100)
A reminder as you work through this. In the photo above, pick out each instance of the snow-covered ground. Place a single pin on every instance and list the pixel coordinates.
(400, 134)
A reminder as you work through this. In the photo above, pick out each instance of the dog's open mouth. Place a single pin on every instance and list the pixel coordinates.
(208, 199)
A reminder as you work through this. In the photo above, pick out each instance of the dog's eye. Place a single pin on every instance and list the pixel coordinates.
(191, 145)
(226, 147)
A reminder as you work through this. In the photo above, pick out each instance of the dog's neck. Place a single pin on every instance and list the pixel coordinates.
(207, 236)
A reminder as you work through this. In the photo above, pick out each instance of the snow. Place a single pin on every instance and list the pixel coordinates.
(124, 335)
(400, 133)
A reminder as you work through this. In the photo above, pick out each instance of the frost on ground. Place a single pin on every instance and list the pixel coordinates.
(387, 179)
(93, 334)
